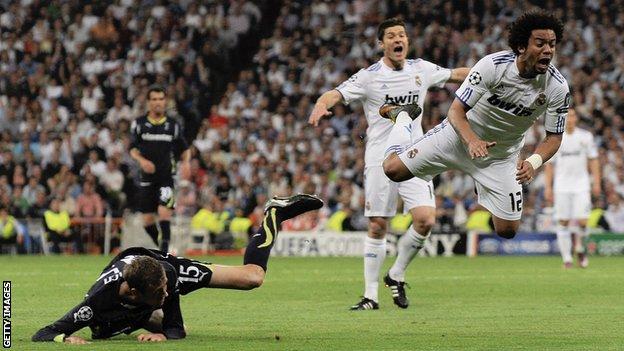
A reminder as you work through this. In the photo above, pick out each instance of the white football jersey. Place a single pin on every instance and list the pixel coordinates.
(505, 105)
(380, 84)
(570, 161)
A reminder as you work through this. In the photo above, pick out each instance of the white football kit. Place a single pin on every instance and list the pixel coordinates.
(503, 106)
(375, 86)
(571, 182)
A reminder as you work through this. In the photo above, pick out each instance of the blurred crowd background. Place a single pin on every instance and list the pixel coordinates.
(242, 77)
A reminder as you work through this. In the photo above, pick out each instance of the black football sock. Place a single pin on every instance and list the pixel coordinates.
(152, 231)
(165, 229)
(260, 244)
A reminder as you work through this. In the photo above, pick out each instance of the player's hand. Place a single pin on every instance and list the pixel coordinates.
(548, 196)
(151, 337)
(478, 148)
(318, 112)
(75, 340)
(525, 172)
(147, 166)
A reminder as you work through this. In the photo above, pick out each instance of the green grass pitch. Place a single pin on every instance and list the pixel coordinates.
(484, 303)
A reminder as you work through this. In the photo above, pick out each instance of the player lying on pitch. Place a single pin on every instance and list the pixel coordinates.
(141, 288)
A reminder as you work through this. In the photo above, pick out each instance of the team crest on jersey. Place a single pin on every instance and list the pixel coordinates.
(541, 99)
(412, 153)
(474, 78)
(418, 81)
(84, 314)
(368, 205)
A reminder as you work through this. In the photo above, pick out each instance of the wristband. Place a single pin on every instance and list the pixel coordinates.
(535, 160)
(59, 338)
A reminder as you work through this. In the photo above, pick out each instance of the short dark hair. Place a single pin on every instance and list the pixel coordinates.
(144, 273)
(390, 22)
(520, 30)
(155, 89)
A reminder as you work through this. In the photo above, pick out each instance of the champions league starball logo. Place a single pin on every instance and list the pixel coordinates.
(412, 153)
(474, 78)
(84, 314)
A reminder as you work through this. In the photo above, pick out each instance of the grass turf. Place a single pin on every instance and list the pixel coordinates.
(484, 303)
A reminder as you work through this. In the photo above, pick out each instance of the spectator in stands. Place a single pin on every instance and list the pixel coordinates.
(10, 230)
(89, 203)
(57, 225)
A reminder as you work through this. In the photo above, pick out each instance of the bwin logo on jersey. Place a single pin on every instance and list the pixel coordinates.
(403, 99)
(518, 110)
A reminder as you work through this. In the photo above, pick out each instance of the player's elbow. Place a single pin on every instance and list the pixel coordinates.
(395, 170)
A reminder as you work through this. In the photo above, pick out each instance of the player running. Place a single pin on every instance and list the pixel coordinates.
(502, 97)
(157, 142)
(141, 288)
(572, 199)
(393, 79)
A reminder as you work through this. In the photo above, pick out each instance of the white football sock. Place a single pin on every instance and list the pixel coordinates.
(408, 246)
(564, 239)
(581, 234)
(374, 256)
(401, 134)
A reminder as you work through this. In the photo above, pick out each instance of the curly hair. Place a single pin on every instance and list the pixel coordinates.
(520, 30)
(390, 22)
(144, 273)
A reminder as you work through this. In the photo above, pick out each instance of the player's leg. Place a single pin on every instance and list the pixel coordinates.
(381, 199)
(431, 154)
(582, 208)
(563, 214)
(419, 198)
(251, 274)
(147, 199)
(166, 202)
(579, 247)
(499, 192)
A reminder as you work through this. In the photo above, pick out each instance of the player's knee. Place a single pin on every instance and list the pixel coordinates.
(423, 225)
(390, 167)
(507, 233)
(377, 227)
(254, 277)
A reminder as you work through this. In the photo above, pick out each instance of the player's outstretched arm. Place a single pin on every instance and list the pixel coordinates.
(544, 151)
(458, 75)
(459, 121)
(548, 183)
(322, 106)
(61, 330)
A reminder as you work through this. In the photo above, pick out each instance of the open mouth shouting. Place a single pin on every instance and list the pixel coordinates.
(542, 64)
(399, 50)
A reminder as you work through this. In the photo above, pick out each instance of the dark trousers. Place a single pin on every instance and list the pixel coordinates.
(57, 238)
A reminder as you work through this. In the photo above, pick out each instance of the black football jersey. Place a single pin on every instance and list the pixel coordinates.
(160, 143)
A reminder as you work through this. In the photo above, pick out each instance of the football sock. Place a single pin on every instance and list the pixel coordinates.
(260, 244)
(408, 246)
(374, 256)
(152, 231)
(564, 239)
(581, 233)
(400, 135)
(165, 228)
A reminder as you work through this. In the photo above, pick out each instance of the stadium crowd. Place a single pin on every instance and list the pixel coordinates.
(73, 76)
